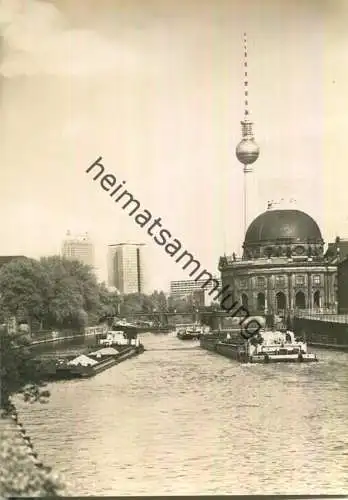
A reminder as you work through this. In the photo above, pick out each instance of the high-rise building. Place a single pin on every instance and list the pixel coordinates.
(78, 247)
(126, 267)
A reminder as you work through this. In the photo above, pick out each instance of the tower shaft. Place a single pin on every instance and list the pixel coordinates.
(247, 150)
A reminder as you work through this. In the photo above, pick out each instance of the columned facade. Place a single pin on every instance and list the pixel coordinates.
(283, 268)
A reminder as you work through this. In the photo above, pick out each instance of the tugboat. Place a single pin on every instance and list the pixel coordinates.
(265, 347)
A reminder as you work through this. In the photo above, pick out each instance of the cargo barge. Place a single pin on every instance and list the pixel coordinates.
(90, 364)
(265, 347)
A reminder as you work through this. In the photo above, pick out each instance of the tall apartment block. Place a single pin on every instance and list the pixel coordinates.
(78, 247)
(126, 267)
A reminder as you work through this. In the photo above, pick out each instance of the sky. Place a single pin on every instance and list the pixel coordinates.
(155, 87)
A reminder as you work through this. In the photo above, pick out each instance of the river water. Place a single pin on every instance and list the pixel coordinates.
(191, 422)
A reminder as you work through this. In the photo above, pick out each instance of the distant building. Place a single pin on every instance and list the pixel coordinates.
(186, 287)
(78, 247)
(6, 259)
(337, 250)
(196, 292)
(126, 267)
(342, 287)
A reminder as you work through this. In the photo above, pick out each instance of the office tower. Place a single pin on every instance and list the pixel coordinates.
(78, 247)
(126, 267)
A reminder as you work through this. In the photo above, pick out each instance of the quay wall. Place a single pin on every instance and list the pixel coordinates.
(49, 341)
(319, 332)
(22, 473)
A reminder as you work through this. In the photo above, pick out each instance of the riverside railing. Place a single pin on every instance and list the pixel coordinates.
(320, 316)
(46, 337)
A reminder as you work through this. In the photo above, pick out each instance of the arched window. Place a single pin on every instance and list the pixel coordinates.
(261, 301)
(316, 299)
(244, 300)
(300, 300)
(280, 301)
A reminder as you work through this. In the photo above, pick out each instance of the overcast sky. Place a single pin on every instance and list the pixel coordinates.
(156, 88)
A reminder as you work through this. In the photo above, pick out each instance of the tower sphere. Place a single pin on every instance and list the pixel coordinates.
(247, 151)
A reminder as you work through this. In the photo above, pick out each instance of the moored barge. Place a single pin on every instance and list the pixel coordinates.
(88, 365)
(264, 347)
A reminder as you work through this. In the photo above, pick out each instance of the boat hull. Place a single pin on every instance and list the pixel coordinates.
(188, 336)
(235, 351)
(72, 372)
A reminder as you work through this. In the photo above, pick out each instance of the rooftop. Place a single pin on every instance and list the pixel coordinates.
(229, 260)
(278, 225)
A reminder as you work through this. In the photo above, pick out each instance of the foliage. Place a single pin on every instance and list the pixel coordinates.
(135, 303)
(56, 292)
(74, 292)
(19, 370)
(181, 304)
(159, 301)
(19, 477)
(141, 303)
(24, 290)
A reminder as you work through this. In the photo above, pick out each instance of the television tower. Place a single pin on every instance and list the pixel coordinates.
(247, 150)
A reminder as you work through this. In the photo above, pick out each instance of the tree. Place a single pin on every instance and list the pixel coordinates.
(74, 292)
(109, 303)
(132, 303)
(179, 304)
(19, 369)
(159, 301)
(24, 290)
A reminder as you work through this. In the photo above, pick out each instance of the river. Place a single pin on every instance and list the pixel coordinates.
(191, 422)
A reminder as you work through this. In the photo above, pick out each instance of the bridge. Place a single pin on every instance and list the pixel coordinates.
(172, 318)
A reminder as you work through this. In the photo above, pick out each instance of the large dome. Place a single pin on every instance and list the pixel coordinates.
(283, 233)
(275, 225)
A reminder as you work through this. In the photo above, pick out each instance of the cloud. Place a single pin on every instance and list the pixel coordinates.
(37, 40)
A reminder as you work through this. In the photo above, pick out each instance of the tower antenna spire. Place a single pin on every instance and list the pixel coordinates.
(246, 81)
(247, 150)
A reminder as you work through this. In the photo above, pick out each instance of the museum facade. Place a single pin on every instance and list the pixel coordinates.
(283, 267)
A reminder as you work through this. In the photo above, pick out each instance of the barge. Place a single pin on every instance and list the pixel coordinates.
(189, 332)
(88, 365)
(264, 347)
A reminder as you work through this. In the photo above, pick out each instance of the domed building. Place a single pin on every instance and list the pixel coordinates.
(283, 267)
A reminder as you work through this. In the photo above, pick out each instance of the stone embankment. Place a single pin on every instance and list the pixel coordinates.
(21, 471)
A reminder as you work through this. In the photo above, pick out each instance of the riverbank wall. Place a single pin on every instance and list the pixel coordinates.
(22, 473)
(323, 332)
